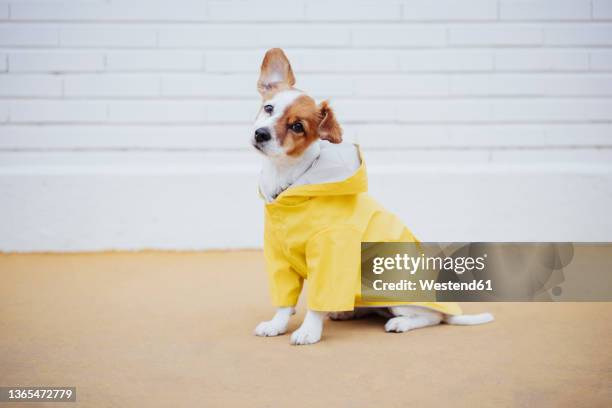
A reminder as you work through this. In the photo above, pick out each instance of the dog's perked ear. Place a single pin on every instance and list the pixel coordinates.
(329, 128)
(276, 72)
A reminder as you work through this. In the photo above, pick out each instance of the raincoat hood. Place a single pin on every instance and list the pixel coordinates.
(339, 170)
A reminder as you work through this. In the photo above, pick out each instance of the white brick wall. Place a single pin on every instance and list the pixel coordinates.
(124, 123)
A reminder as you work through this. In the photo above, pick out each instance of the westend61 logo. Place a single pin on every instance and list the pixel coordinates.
(412, 264)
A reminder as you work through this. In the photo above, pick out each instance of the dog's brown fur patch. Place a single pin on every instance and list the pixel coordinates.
(303, 110)
(317, 121)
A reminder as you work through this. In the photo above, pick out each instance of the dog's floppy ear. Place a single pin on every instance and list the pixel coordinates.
(329, 129)
(276, 72)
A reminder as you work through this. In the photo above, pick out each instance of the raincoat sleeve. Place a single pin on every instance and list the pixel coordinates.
(334, 261)
(284, 282)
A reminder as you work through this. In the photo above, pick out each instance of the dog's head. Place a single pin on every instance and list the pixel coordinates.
(288, 120)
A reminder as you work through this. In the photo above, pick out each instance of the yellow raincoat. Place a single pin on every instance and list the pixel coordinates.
(314, 232)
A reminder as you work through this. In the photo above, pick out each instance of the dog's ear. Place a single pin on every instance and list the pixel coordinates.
(329, 128)
(275, 73)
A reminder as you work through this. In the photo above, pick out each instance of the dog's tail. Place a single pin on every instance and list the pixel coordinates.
(468, 320)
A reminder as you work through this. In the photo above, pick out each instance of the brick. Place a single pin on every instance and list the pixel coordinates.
(329, 86)
(236, 60)
(346, 10)
(523, 110)
(602, 9)
(158, 60)
(56, 61)
(597, 134)
(443, 110)
(57, 111)
(510, 135)
(28, 35)
(351, 110)
(4, 111)
(58, 11)
(482, 135)
(495, 35)
(547, 110)
(111, 86)
(398, 35)
(107, 36)
(531, 135)
(601, 60)
(30, 85)
(599, 110)
(577, 85)
(394, 136)
(399, 85)
(545, 60)
(210, 85)
(545, 10)
(234, 35)
(449, 10)
(159, 10)
(4, 11)
(80, 136)
(532, 85)
(207, 111)
(263, 10)
(447, 60)
(579, 34)
(343, 60)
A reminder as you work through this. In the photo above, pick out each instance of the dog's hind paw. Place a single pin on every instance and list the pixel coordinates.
(398, 325)
(342, 315)
(270, 328)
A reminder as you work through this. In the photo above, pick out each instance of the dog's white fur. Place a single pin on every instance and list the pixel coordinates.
(279, 172)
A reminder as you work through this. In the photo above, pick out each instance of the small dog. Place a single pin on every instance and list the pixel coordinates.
(318, 212)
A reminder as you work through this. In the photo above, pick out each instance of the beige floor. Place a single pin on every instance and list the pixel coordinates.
(174, 330)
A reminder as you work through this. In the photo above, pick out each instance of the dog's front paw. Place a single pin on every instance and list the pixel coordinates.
(306, 335)
(270, 328)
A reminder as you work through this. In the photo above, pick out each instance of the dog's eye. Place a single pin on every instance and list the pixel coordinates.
(269, 109)
(297, 127)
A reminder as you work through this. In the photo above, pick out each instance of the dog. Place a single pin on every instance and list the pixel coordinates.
(317, 213)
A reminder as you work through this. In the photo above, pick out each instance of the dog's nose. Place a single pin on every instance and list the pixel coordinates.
(262, 135)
